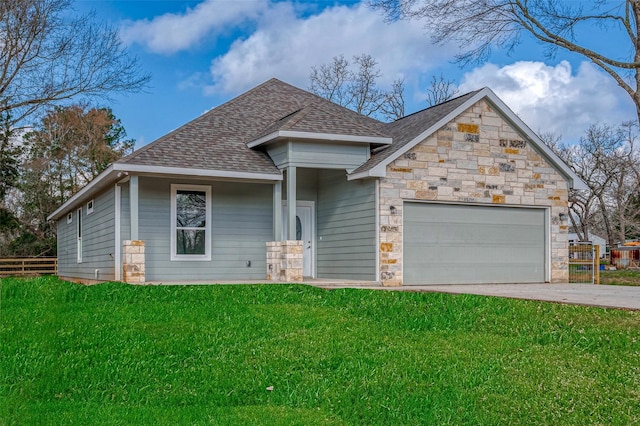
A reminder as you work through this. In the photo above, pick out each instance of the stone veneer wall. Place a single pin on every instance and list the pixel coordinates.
(133, 261)
(476, 158)
(284, 261)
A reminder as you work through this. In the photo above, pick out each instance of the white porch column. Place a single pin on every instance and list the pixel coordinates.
(277, 211)
(118, 246)
(133, 200)
(291, 203)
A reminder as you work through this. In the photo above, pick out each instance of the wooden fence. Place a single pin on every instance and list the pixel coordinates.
(28, 266)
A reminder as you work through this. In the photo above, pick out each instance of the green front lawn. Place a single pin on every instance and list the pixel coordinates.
(117, 354)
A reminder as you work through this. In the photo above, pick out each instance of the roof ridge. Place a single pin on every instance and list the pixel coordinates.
(297, 116)
(325, 101)
(278, 124)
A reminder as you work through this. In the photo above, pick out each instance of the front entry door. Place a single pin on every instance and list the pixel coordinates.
(304, 231)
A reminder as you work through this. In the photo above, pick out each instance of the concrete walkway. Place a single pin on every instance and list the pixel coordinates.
(607, 296)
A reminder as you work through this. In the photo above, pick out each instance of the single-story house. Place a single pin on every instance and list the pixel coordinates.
(279, 184)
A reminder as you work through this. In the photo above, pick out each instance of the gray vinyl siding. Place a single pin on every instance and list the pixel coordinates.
(319, 154)
(125, 213)
(307, 185)
(66, 244)
(279, 153)
(241, 225)
(98, 240)
(346, 227)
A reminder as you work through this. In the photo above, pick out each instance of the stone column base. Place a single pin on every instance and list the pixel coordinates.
(284, 261)
(133, 261)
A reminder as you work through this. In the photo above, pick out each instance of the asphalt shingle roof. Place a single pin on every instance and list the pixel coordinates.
(217, 140)
(318, 118)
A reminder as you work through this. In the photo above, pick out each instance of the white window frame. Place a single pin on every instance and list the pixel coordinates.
(90, 205)
(207, 236)
(79, 236)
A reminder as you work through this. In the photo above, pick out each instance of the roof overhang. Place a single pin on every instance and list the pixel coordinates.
(331, 137)
(380, 170)
(118, 171)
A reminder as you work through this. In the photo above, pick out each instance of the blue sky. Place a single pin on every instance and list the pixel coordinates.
(203, 53)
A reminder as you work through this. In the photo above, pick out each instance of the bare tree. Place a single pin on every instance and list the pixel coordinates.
(331, 81)
(366, 97)
(583, 205)
(607, 160)
(480, 25)
(440, 91)
(393, 107)
(48, 56)
(622, 191)
(358, 89)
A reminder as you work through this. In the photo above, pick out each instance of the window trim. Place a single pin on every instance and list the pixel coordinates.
(90, 205)
(79, 236)
(207, 235)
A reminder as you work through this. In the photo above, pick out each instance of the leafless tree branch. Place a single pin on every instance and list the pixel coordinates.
(357, 88)
(478, 26)
(47, 57)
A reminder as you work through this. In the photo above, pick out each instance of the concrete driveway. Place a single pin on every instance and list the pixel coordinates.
(607, 296)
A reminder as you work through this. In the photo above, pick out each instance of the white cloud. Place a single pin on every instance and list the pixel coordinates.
(284, 39)
(171, 32)
(286, 45)
(554, 98)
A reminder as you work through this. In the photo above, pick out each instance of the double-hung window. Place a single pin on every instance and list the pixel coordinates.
(190, 222)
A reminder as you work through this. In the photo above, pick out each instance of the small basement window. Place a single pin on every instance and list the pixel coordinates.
(90, 207)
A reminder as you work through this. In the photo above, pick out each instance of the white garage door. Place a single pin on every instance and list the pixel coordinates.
(463, 244)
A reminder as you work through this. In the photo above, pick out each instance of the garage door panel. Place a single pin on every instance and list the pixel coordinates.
(461, 233)
(461, 244)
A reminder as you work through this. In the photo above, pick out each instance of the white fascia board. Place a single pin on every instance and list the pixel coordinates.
(264, 139)
(286, 134)
(382, 140)
(367, 174)
(179, 171)
(96, 184)
(114, 170)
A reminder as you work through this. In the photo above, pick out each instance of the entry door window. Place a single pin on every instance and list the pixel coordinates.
(298, 228)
